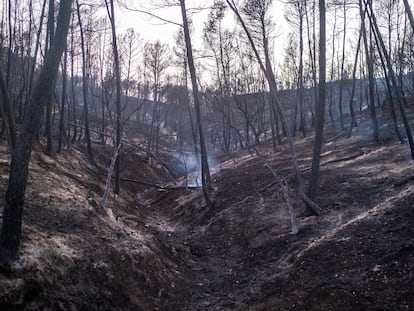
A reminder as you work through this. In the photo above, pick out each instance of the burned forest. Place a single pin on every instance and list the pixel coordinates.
(206, 155)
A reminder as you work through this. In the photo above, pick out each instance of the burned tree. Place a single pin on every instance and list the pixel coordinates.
(13, 209)
(266, 67)
(205, 171)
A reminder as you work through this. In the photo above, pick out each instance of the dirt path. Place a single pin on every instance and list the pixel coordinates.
(213, 283)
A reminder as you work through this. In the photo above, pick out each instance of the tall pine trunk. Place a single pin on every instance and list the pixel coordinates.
(371, 81)
(62, 133)
(205, 171)
(270, 77)
(50, 33)
(320, 106)
(85, 81)
(111, 14)
(19, 170)
(400, 97)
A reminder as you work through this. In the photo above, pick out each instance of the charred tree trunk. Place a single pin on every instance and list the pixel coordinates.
(8, 110)
(390, 96)
(332, 75)
(341, 82)
(409, 13)
(312, 52)
(12, 216)
(320, 106)
(268, 72)
(391, 73)
(301, 87)
(205, 171)
(33, 65)
(85, 88)
(73, 82)
(62, 109)
(50, 33)
(371, 82)
(111, 14)
(351, 100)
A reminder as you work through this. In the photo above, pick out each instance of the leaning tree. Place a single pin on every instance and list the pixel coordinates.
(19, 170)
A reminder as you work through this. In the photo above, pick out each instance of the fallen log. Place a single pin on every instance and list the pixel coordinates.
(153, 185)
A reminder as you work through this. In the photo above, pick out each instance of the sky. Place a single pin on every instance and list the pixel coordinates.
(151, 29)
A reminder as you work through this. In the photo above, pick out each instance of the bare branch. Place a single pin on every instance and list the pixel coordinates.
(167, 21)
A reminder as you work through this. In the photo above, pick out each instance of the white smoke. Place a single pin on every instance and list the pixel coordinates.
(191, 165)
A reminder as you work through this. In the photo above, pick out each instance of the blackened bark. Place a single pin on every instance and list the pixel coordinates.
(400, 97)
(73, 83)
(341, 82)
(301, 87)
(111, 14)
(320, 106)
(205, 171)
(62, 110)
(390, 96)
(12, 216)
(48, 120)
(8, 110)
(371, 81)
(409, 13)
(351, 100)
(270, 77)
(85, 81)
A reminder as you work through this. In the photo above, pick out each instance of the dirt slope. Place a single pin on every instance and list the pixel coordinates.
(75, 256)
(357, 256)
(162, 249)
